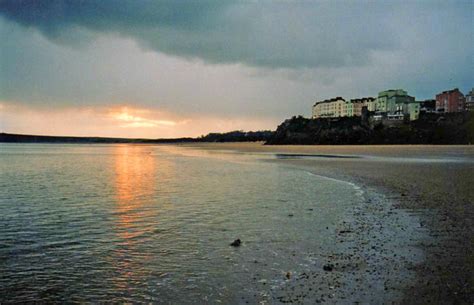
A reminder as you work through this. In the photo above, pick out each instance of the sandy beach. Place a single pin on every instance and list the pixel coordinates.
(432, 183)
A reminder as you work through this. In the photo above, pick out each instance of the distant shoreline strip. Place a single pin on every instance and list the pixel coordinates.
(298, 156)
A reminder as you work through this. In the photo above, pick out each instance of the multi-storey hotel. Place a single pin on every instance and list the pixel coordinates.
(397, 103)
(357, 104)
(450, 101)
(331, 108)
(339, 107)
(391, 101)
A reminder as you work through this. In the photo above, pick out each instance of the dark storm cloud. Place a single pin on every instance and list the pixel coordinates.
(50, 16)
(266, 34)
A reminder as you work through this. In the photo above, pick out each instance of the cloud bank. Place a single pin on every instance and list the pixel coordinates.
(276, 34)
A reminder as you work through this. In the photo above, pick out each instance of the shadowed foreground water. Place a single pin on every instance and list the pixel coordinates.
(154, 223)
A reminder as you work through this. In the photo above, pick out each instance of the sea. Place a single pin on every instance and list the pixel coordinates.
(154, 223)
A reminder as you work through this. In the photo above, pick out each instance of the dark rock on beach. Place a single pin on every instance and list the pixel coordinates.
(236, 243)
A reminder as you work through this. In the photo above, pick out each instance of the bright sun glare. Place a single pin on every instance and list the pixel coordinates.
(130, 118)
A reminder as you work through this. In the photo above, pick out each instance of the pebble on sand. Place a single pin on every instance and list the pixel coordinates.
(236, 243)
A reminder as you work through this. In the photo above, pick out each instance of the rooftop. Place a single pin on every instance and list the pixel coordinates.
(330, 100)
(450, 91)
(335, 99)
(397, 92)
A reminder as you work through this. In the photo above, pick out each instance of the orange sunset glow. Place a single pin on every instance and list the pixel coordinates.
(117, 121)
(135, 118)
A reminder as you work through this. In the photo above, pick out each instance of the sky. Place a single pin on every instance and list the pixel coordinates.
(163, 69)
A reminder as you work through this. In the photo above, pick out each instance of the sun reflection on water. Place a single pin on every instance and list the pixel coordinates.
(135, 183)
(135, 180)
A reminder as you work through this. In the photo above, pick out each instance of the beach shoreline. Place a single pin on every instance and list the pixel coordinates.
(376, 246)
(433, 183)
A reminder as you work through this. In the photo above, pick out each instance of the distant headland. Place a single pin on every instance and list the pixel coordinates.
(233, 136)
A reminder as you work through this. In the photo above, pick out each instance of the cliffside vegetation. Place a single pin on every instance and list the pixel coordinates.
(237, 136)
(449, 128)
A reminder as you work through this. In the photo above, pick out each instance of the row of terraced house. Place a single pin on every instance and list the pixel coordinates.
(394, 104)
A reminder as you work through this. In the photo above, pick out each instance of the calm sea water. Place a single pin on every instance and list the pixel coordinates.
(154, 223)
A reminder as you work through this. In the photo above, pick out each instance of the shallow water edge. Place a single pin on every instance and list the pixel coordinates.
(378, 247)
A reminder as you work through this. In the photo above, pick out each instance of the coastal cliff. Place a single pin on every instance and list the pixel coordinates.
(450, 128)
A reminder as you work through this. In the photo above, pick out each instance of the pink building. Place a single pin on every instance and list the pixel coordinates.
(450, 101)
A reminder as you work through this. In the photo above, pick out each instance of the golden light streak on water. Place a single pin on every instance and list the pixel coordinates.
(135, 178)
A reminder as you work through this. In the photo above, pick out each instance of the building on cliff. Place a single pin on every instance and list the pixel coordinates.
(393, 105)
(470, 101)
(396, 103)
(411, 110)
(371, 103)
(331, 108)
(338, 107)
(391, 101)
(450, 101)
(359, 103)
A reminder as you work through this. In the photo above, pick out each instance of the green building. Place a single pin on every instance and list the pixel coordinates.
(391, 101)
(412, 110)
(397, 101)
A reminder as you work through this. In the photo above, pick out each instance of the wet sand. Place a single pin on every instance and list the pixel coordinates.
(435, 184)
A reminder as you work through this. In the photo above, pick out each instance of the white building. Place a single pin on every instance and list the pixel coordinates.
(331, 108)
(338, 107)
